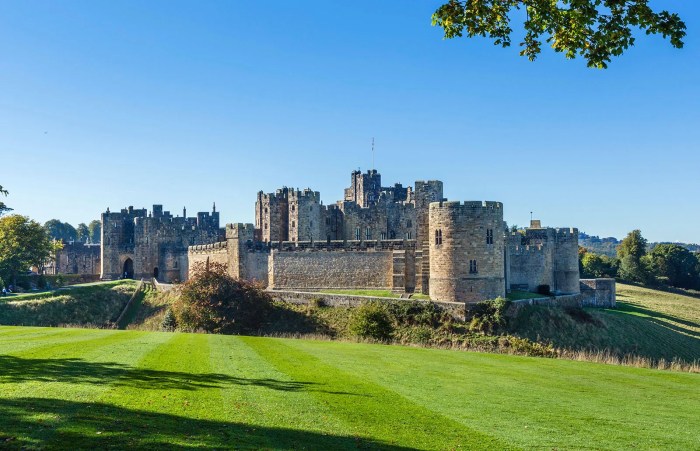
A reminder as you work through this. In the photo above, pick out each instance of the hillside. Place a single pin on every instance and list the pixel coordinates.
(646, 322)
(94, 304)
(73, 388)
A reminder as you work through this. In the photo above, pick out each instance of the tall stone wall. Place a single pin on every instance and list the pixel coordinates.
(316, 270)
(306, 216)
(75, 258)
(466, 251)
(426, 192)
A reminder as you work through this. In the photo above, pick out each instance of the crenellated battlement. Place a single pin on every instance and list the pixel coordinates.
(473, 206)
(221, 246)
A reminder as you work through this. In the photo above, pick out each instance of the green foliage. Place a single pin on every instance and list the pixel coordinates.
(597, 30)
(95, 230)
(596, 265)
(630, 253)
(213, 301)
(371, 320)
(488, 317)
(675, 265)
(23, 244)
(61, 231)
(3, 208)
(82, 233)
(169, 322)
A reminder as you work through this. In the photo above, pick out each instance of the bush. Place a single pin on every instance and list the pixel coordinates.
(415, 313)
(317, 302)
(488, 317)
(169, 322)
(371, 320)
(213, 301)
(544, 290)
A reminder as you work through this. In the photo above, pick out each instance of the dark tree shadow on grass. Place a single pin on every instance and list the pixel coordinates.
(632, 308)
(81, 425)
(78, 371)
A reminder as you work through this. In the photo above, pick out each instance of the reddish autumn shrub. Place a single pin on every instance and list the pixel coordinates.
(213, 301)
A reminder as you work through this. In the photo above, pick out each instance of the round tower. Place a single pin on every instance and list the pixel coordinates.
(466, 251)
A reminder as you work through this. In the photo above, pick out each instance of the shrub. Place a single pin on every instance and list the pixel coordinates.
(371, 320)
(544, 289)
(488, 317)
(169, 322)
(213, 301)
(415, 313)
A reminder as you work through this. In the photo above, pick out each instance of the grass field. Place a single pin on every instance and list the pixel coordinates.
(646, 322)
(94, 304)
(78, 388)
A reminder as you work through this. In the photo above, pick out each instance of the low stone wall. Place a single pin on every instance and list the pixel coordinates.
(456, 309)
(599, 293)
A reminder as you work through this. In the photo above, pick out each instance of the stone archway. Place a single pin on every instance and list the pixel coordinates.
(128, 270)
(155, 272)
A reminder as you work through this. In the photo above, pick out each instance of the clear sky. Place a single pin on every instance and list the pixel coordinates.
(110, 104)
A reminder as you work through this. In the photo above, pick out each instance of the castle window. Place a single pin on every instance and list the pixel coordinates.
(368, 233)
(409, 223)
(489, 236)
(311, 208)
(408, 235)
(328, 221)
(383, 235)
(293, 207)
(293, 224)
(175, 264)
(473, 269)
(438, 237)
(357, 233)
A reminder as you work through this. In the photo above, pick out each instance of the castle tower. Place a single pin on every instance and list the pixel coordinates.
(305, 216)
(364, 188)
(565, 261)
(237, 236)
(466, 251)
(426, 192)
(272, 215)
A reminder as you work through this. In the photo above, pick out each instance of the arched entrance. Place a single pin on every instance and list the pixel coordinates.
(155, 273)
(128, 272)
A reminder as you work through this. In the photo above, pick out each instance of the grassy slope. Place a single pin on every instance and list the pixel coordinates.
(646, 322)
(88, 304)
(73, 388)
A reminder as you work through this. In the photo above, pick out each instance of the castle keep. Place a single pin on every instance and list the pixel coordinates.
(405, 239)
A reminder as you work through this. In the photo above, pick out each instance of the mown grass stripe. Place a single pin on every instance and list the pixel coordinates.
(528, 401)
(371, 410)
(260, 395)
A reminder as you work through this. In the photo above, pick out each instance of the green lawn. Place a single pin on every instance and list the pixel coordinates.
(97, 389)
(648, 323)
(89, 304)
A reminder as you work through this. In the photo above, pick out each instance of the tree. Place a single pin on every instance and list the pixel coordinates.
(597, 30)
(675, 265)
(82, 233)
(3, 207)
(23, 243)
(631, 252)
(213, 301)
(61, 230)
(95, 228)
(597, 265)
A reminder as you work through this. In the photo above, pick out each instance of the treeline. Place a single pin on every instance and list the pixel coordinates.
(635, 261)
(84, 233)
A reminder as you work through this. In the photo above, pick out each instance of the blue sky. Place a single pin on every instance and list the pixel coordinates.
(109, 104)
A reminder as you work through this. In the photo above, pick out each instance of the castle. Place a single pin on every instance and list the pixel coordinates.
(405, 239)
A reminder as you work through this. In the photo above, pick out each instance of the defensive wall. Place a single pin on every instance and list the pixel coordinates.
(599, 293)
(75, 258)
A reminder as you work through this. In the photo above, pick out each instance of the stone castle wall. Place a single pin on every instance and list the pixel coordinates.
(466, 251)
(75, 258)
